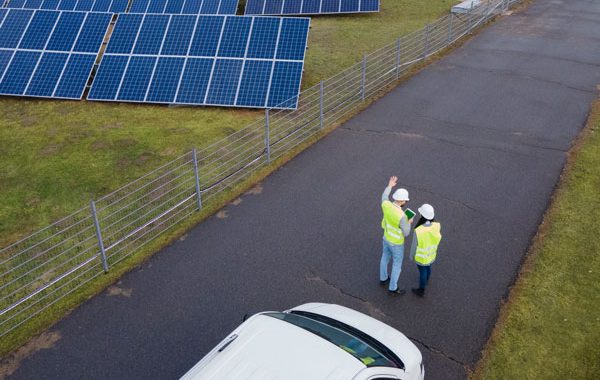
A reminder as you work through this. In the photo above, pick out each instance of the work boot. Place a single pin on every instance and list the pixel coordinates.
(397, 292)
(419, 291)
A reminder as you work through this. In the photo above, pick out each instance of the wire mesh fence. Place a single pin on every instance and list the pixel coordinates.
(41, 269)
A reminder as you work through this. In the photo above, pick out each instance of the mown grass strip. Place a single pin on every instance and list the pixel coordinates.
(550, 326)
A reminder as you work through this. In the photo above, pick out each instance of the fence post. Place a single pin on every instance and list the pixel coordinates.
(426, 40)
(321, 91)
(198, 193)
(398, 56)
(471, 17)
(506, 5)
(99, 236)
(364, 77)
(267, 137)
(450, 28)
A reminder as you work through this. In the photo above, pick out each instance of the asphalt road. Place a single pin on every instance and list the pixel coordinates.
(482, 135)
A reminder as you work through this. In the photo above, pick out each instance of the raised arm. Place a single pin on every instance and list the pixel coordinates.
(386, 193)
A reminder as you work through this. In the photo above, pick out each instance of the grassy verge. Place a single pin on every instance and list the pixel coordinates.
(550, 326)
(57, 155)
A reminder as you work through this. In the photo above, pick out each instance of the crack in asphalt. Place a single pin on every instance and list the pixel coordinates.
(542, 147)
(496, 131)
(461, 203)
(373, 310)
(311, 276)
(534, 55)
(440, 352)
(521, 75)
(455, 143)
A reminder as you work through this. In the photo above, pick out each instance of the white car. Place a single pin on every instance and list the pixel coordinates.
(312, 342)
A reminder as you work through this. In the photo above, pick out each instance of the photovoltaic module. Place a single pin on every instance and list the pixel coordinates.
(309, 7)
(49, 53)
(203, 60)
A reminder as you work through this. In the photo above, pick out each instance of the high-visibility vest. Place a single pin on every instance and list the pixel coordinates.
(428, 240)
(391, 223)
(367, 360)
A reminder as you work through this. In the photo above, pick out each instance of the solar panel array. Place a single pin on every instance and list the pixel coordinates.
(217, 7)
(114, 6)
(221, 7)
(193, 52)
(306, 7)
(204, 60)
(49, 53)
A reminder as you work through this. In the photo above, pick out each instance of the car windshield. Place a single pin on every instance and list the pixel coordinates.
(339, 334)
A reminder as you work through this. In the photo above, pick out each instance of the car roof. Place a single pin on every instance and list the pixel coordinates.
(268, 348)
(385, 334)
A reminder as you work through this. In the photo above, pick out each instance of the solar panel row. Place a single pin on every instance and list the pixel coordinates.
(208, 60)
(49, 53)
(114, 6)
(305, 7)
(222, 7)
(217, 7)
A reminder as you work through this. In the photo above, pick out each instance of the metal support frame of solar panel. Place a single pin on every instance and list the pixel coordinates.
(49, 54)
(114, 6)
(217, 7)
(232, 61)
(310, 7)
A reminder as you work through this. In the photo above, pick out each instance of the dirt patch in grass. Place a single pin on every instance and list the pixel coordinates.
(258, 189)
(125, 143)
(99, 145)
(222, 214)
(143, 158)
(29, 121)
(51, 150)
(112, 126)
(117, 291)
(42, 342)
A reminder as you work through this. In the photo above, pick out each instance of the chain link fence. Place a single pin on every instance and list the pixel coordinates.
(43, 268)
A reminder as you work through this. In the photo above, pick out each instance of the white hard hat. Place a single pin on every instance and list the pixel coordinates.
(427, 211)
(400, 195)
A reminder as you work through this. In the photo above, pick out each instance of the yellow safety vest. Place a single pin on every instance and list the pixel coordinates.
(390, 223)
(365, 359)
(428, 240)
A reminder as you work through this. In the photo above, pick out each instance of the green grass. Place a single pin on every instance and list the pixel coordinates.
(57, 155)
(550, 327)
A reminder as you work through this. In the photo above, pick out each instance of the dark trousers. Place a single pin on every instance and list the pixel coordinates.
(424, 273)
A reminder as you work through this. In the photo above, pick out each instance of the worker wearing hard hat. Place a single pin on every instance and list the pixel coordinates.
(395, 228)
(426, 240)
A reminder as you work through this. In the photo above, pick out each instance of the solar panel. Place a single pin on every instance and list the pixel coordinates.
(114, 6)
(232, 61)
(306, 7)
(2, 14)
(49, 53)
(216, 7)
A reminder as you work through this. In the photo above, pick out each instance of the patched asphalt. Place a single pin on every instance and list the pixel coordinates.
(482, 135)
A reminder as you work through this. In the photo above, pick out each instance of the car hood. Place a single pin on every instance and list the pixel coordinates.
(387, 335)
